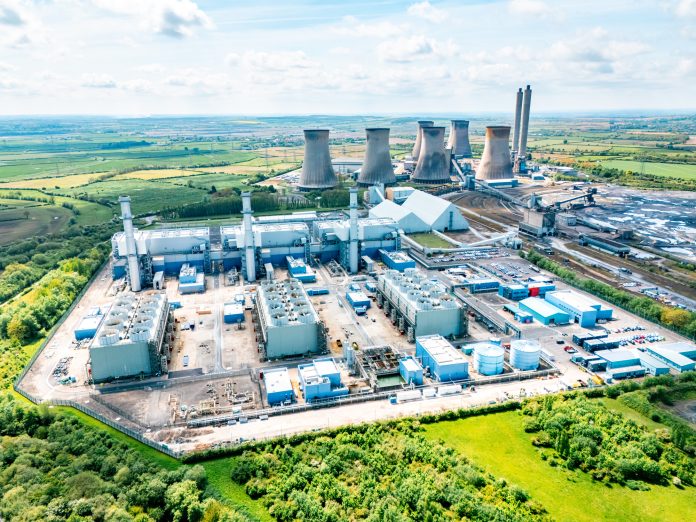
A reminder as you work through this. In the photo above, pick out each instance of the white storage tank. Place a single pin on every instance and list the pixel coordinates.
(489, 358)
(524, 354)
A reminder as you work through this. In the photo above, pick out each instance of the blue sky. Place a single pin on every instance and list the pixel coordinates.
(134, 57)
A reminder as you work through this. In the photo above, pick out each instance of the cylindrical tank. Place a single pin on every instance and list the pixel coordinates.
(524, 129)
(432, 166)
(489, 359)
(317, 171)
(377, 167)
(524, 354)
(419, 137)
(495, 161)
(459, 139)
(518, 116)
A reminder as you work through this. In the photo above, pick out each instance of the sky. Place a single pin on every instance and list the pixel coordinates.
(257, 57)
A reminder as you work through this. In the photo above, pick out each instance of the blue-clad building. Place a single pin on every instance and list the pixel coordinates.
(673, 355)
(321, 379)
(582, 309)
(397, 260)
(233, 313)
(446, 363)
(278, 386)
(476, 286)
(653, 365)
(411, 372)
(543, 311)
(514, 292)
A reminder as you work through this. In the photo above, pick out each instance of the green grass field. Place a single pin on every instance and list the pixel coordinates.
(41, 220)
(429, 240)
(499, 444)
(658, 169)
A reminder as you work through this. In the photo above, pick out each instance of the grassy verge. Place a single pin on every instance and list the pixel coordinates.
(429, 240)
(499, 444)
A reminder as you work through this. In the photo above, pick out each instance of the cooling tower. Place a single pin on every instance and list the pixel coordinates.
(526, 103)
(419, 138)
(518, 115)
(459, 139)
(317, 171)
(433, 164)
(377, 167)
(495, 161)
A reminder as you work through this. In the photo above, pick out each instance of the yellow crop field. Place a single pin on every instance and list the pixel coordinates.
(157, 174)
(245, 169)
(75, 180)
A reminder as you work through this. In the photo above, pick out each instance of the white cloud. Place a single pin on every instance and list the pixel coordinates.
(528, 7)
(150, 68)
(412, 48)
(685, 8)
(11, 14)
(427, 11)
(351, 26)
(98, 81)
(264, 61)
(173, 18)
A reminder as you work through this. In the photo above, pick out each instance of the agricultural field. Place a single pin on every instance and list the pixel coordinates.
(156, 174)
(673, 170)
(500, 445)
(26, 221)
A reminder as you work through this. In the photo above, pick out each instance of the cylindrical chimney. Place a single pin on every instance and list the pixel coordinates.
(526, 104)
(353, 231)
(419, 138)
(518, 115)
(377, 167)
(495, 161)
(317, 171)
(249, 250)
(432, 166)
(459, 139)
(134, 275)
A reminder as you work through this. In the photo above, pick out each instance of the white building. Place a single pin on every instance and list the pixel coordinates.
(408, 221)
(437, 213)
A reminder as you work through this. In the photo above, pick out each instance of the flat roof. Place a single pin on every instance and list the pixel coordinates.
(671, 355)
(679, 347)
(277, 380)
(90, 322)
(358, 296)
(575, 300)
(646, 358)
(634, 368)
(325, 366)
(617, 355)
(441, 349)
(542, 307)
(410, 364)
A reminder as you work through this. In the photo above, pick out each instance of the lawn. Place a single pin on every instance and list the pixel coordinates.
(658, 169)
(499, 444)
(430, 240)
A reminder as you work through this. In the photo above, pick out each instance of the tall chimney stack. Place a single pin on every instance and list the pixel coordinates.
(419, 138)
(495, 161)
(459, 139)
(526, 103)
(353, 231)
(249, 250)
(433, 162)
(518, 115)
(377, 167)
(134, 275)
(317, 171)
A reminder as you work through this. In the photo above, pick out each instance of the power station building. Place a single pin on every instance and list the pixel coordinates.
(422, 212)
(443, 360)
(132, 339)
(288, 322)
(581, 309)
(321, 379)
(420, 306)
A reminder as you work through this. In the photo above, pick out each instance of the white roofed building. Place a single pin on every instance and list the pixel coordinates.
(408, 221)
(437, 213)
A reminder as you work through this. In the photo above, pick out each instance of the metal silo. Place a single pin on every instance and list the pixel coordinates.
(459, 139)
(524, 354)
(433, 164)
(419, 138)
(317, 171)
(495, 161)
(489, 359)
(377, 167)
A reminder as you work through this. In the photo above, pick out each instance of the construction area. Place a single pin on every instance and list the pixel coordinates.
(414, 299)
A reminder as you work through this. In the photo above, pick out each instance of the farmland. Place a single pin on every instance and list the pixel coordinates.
(674, 170)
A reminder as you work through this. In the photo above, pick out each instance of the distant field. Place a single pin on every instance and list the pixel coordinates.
(90, 213)
(42, 220)
(657, 169)
(75, 180)
(155, 174)
(246, 169)
(499, 444)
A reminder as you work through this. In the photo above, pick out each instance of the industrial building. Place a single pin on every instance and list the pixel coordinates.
(88, 325)
(278, 386)
(489, 358)
(439, 214)
(299, 270)
(397, 260)
(602, 243)
(133, 338)
(622, 364)
(480, 285)
(411, 371)
(443, 360)
(399, 194)
(407, 219)
(514, 292)
(288, 322)
(379, 365)
(594, 345)
(418, 305)
(233, 313)
(321, 379)
(191, 281)
(675, 355)
(653, 365)
(525, 354)
(544, 311)
(583, 310)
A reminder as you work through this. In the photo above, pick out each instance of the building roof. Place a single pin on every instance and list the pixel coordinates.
(626, 369)
(541, 307)
(277, 380)
(325, 366)
(617, 355)
(90, 322)
(389, 209)
(682, 348)
(410, 364)
(575, 300)
(441, 350)
(672, 356)
(648, 360)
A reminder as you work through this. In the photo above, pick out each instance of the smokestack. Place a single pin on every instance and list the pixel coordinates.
(459, 139)
(495, 161)
(131, 248)
(317, 171)
(419, 138)
(518, 115)
(377, 167)
(433, 165)
(249, 250)
(526, 103)
(353, 231)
